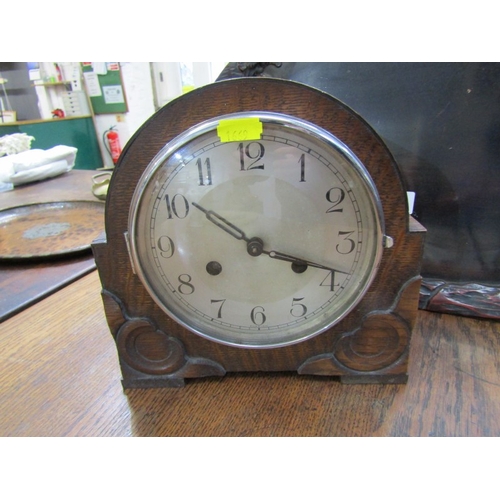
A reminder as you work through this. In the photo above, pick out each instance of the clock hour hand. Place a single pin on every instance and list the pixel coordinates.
(224, 224)
(254, 245)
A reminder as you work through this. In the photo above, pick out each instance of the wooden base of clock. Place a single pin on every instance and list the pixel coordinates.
(370, 345)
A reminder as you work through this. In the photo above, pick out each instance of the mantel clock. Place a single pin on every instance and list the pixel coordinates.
(258, 225)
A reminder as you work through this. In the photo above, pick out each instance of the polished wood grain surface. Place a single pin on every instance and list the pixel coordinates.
(59, 376)
(24, 282)
(71, 186)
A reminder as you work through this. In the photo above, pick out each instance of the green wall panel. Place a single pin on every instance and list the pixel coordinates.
(77, 132)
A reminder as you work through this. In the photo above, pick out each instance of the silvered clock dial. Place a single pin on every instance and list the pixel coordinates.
(257, 242)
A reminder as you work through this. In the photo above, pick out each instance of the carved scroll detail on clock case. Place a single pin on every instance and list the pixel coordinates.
(148, 355)
(149, 350)
(379, 342)
(379, 345)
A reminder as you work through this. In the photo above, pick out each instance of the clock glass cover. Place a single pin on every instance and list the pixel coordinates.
(256, 240)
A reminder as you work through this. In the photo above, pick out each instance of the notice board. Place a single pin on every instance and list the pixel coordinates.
(105, 87)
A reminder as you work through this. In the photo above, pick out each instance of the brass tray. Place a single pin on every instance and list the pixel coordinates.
(49, 229)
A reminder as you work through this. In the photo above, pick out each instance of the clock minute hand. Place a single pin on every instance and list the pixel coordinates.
(301, 262)
(224, 224)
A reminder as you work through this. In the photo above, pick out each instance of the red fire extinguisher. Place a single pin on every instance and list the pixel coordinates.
(112, 143)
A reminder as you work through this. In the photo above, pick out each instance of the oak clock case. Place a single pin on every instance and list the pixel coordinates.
(258, 225)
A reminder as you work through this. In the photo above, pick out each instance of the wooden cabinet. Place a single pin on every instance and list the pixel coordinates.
(62, 96)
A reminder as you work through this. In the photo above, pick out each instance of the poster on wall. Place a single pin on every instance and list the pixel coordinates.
(103, 81)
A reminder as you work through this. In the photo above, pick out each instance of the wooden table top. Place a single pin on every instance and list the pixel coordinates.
(59, 376)
(24, 282)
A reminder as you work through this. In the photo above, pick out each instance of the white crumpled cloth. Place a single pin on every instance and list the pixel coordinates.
(15, 143)
(36, 164)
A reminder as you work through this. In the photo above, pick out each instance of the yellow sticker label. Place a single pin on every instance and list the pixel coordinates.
(239, 129)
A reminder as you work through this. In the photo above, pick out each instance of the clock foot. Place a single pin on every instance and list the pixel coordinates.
(153, 382)
(375, 379)
(193, 368)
